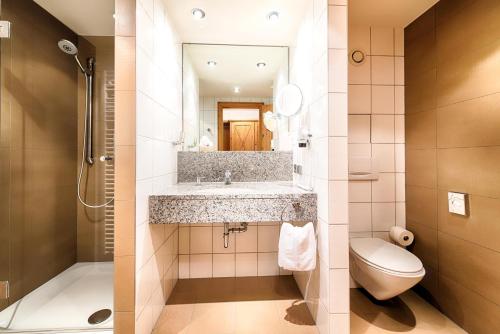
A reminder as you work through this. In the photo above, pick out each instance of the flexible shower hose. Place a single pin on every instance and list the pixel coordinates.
(82, 162)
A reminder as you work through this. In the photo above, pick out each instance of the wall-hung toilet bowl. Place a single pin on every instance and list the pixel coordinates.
(383, 269)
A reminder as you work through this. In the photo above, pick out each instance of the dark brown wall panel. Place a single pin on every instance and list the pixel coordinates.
(38, 126)
(453, 144)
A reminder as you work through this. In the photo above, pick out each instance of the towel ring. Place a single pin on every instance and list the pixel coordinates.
(297, 208)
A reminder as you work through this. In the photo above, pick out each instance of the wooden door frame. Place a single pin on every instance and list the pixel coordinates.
(234, 105)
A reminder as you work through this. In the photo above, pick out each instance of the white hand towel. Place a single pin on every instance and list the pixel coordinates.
(297, 247)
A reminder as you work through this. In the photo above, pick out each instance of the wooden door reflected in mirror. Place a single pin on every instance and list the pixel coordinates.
(241, 127)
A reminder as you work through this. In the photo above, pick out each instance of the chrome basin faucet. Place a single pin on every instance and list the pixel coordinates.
(227, 177)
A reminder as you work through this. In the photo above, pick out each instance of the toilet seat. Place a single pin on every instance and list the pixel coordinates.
(386, 256)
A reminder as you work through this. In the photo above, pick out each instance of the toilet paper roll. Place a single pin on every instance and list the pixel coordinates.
(401, 236)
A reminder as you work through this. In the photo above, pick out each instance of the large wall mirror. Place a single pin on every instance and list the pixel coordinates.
(228, 96)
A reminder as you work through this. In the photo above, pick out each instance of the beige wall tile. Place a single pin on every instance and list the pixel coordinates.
(124, 173)
(246, 264)
(360, 191)
(125, 118)
(383, 189)
(360, 74)
(184, 240)
(339, 291)
(268, 237)
(124, 322)
(382, 41)
(124, 283)
(338, 237)
(359, 38)
(337, 27)
(399, 47)
(382, 129)
(337, 71)
(383, 157)
(383, 100)
(247, 242)
(383, 216)
(200, 240)
(267, 264)
(124, 63)
(183, 266)
(359, 129)
(399, 100)
(382, 70)
(224, 265)
(124, 228)
(360, 217)
(359, 99)
(200, 265)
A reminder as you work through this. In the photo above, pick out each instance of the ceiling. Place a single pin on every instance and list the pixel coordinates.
(84, 17)
(236, 66)
(237, 21)
(390, 13)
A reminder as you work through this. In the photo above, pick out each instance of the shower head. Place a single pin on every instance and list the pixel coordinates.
(67, 47)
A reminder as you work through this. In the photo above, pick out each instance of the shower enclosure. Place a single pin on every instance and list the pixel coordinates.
(56, 167)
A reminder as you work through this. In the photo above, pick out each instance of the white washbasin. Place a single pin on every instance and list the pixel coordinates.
(223, 191)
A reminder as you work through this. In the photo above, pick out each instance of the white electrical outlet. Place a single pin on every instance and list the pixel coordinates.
(458, 203)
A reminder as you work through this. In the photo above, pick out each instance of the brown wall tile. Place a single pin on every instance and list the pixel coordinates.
(470, 170)
(470, 123)
(420, 92)
(426, 243)
(482, 274)
(421, 168)
(458, 80)
(420, 130)
(466, 23)
(467, 308)
(38, 125)
(469, 75)
(482, 226)
(421, 205)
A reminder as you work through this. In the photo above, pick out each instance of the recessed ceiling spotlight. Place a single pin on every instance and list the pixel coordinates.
(236, 89)
(211, 63)
(198, 13)
(273, 16)
(114, 16)
(261, 65)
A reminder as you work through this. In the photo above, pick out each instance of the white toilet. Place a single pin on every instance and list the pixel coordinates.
(383, 269)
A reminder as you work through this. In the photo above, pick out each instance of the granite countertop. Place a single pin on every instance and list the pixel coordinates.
(235, 190)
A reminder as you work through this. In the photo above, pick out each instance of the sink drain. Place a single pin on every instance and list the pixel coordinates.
(99, 316)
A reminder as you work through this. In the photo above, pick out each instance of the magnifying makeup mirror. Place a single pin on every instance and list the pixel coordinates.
(289, 100)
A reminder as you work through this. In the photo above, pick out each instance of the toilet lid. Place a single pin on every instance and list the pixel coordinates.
(386, 255)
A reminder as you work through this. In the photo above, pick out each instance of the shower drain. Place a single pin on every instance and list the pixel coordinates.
(99, 316)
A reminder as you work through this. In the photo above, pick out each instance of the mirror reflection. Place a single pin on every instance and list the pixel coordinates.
(229, 92)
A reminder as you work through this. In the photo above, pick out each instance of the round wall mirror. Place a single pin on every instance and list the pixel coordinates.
(289, 100)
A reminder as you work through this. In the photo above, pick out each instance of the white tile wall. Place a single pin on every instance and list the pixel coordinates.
(378, 122)
(158, 121)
